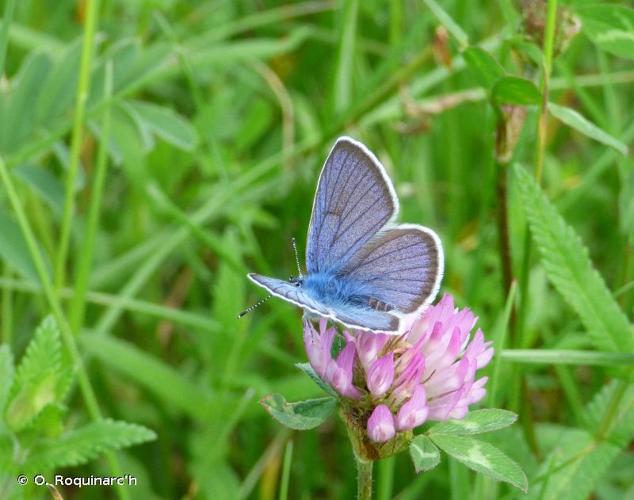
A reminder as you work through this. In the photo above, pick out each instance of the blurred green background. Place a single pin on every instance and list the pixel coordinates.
(209, 122)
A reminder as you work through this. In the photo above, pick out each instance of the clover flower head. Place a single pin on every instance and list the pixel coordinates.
(428, 373)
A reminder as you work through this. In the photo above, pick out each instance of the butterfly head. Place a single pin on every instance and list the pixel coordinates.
(297, 281)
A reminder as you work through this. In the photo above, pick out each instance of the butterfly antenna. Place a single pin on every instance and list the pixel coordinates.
(254, 306)
(299, 269)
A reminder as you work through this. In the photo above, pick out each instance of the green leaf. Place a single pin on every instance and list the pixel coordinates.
(568, 267)
(87, 443)
(610, 27)
(163, 380)
(484, 67)
(6, 375)
(43, 182)
(476, 422)
(482, 457)
(59, 88)
(424, 454)
(514, 90)
(40, 379)
(575, 120)
(20, 111)
(167, 124)
(568, 357)
(13, 248)
(308, 370)
(447, 21)
(302, 415)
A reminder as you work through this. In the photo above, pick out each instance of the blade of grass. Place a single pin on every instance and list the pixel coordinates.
(271, 451)
(83, 88)
(7, 19)
(345, 57)
(567, 357)
(165, 381)
(78, 303)
(166, 313)
(286, 470)
(499, 341)
(448, 22)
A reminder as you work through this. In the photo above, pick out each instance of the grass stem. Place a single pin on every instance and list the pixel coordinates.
(78, 304)
(81, 97)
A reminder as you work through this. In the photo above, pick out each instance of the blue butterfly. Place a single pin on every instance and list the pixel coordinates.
(363, 271)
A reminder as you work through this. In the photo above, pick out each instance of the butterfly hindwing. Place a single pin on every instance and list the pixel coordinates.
(354, 200)
(400, 268)
(367, 319)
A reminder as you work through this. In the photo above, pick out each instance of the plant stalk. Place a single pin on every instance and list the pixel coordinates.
(78, 304)
(364, 478)
(542, 133)
(83, 89)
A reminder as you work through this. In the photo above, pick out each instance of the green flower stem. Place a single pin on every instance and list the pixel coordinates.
(364, 478)
(67, 335)
(92, 7)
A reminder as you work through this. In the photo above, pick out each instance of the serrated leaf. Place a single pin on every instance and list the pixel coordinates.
(484, 67)
(514, 90)
(579, 461)
(482, 457)
(621, 428)
(302, 415)
(570, 270)
(610, 27)
(39, 378)
(6, 375)
(476, 422)
(424, 454)
(577, 121)
(167, 124)
(308, 370)
(87, 443)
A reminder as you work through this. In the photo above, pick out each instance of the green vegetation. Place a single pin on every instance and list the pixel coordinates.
(152, 152)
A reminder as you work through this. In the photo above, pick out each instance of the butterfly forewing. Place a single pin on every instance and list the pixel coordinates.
(288, 291)
(354, 200)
